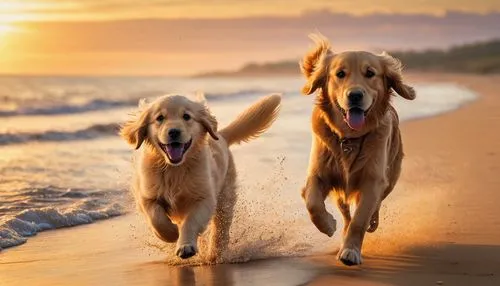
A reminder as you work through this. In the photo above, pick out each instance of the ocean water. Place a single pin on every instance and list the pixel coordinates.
(62, 163)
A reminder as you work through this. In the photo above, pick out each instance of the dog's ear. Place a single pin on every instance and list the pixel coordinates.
(143, 103)
(208, 121)
(135, 130)
(200, 97)
(315, 64)
(394, 77)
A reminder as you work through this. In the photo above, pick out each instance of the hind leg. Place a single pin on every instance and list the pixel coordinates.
(374, 222)
(221, 222)
(393, 178)
(346, 214)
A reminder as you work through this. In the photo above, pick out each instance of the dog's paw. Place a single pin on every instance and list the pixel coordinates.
(186, 251)
(331, 226)
(327, 225)
(373, 226)
(350, 256)
(373, 223)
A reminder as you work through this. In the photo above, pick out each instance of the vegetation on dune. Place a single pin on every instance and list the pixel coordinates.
(483, 58)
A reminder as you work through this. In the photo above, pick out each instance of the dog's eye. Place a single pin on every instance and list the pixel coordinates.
(160, 118)
(340, 74)
(369, 74)
(186, 116)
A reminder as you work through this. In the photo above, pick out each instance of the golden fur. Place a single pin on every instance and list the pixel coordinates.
(180, 198)
(359, 165)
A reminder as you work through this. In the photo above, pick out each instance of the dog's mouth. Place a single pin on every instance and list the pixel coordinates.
(175, 150)
(354, 116)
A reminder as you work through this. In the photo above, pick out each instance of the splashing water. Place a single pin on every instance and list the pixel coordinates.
(267, 223)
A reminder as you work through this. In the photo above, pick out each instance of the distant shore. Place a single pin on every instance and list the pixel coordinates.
(473, 58)
(262, 72)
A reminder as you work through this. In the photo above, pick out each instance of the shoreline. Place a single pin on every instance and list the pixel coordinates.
(434, 228)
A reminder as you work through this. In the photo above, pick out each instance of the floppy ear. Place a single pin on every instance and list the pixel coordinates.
(135, 131)
(315, 64)
(394, 77)
(208, 121)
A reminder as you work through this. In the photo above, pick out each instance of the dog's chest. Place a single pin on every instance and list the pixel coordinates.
(180, 192)
(348, 152)
(341, 158)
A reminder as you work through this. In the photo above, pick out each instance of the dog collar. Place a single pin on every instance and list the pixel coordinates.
(346, 143)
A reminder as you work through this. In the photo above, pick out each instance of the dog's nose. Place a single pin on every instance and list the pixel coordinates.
(355, 96)
(174, 133)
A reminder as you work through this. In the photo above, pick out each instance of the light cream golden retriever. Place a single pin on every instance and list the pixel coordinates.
(185, 174)
(357, 150)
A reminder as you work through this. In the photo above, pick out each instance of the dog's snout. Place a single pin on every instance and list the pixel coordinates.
(174, 133)
(355, 96)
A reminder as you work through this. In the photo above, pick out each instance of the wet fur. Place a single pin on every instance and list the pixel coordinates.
(363, 170)
(179, 201)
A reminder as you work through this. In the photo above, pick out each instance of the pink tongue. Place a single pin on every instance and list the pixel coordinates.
(175, 153)
(355, 118)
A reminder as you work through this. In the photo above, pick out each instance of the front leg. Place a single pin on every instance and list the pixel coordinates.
(369, 201)
(158, 219)
(314, 194)
(194, 223)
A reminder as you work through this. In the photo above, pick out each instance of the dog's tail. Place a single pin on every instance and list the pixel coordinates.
(254, 121)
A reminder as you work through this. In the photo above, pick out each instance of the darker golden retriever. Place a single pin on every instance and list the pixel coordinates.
(357, 151)
(185, 174)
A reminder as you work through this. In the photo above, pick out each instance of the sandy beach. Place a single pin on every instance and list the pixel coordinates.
(440, 227)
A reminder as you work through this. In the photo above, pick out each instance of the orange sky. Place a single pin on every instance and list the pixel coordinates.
(74, 37)
(56, 10)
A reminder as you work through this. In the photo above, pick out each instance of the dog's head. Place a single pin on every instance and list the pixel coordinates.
(173, 125)
(358, 84)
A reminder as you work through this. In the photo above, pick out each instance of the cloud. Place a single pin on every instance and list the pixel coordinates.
(204, 44)
(262, 33)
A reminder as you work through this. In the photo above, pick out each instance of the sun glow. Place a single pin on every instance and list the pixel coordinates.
(6, 29)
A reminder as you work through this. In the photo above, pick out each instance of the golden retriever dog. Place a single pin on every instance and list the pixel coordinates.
(185, 174)
(356, 151)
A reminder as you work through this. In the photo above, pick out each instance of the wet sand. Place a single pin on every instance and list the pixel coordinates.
(440, 226)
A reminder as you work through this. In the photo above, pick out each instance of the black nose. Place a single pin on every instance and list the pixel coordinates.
(355, 96)
(174, 133)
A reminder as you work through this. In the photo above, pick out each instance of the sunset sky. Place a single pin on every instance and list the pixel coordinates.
(114, 37)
